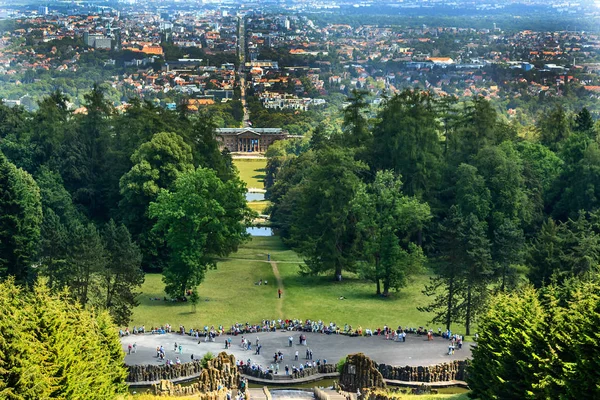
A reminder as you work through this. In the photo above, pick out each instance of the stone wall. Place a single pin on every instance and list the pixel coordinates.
(321, 369)
(221, 371)
(220, 375)
(168, 388)
(452, 371)
(360, 372)
(151, 373)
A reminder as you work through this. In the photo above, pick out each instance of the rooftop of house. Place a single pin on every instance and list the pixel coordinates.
(258, 131)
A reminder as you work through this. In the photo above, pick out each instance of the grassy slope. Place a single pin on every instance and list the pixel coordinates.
(259, 206)
(251, 171)
(229, 295)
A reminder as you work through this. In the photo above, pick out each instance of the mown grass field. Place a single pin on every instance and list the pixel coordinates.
(252, 171)
(259, 206)
(229, 294)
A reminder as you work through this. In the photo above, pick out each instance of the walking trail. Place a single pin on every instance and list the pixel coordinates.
(280, 287)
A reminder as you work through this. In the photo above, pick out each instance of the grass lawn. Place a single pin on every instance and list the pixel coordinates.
(318, 297)
(251, 171)
(259, 206)
(228, 294)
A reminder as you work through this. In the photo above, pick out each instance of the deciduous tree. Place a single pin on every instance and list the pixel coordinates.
(202, 218)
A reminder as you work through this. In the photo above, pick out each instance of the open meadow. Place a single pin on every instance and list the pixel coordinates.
(252, 171)
(230, 294)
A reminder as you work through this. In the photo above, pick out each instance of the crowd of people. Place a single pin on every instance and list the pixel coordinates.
(290, 325)
(210, 333)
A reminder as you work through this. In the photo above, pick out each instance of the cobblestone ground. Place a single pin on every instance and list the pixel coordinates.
(416, 351)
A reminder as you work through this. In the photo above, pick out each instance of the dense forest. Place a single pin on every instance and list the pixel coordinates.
(508, 223)
(90, 200)
(436, 183)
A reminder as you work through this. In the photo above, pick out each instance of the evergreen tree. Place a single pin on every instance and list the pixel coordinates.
(51, 348)
(447, 284)
(406, 140)
(85, 156)
(506, 360)
(356, 125)
(386, 222)
(584, 123)
(86, 260)
(122, 274)
(20, 221)
(322, 224)
(554, 128)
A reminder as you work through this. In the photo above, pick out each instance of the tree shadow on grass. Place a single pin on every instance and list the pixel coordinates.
(260, 177)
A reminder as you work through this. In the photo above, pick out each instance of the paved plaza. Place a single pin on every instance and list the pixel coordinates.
(416, 351)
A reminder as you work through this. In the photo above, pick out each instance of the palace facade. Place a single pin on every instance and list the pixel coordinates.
(249, 139)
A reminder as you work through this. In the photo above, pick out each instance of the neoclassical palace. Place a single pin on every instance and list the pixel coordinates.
(250, 139)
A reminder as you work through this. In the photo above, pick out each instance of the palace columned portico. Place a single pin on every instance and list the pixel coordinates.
(249, 144)
(249, 140)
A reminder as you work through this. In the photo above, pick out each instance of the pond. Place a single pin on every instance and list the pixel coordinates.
(255, 196)
(259, 231)
(290, 394)
(323, 383)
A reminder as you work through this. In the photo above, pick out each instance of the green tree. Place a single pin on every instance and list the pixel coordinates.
(476, 128)
(322, 223)
(578, 187)
(464, 261)
(507, 360)
(554, 128)
(50, 122)
(476, 269)
(539, 344)
(509, 251)
(544, 253)
(447, 284)
(202, 218)
(407, 140)
(20, 221)
(86, 260)
(502, 169)
(356, 125)
(584, 123)
(386, 222)
(51, 348)
(156, 165)
(122, 274)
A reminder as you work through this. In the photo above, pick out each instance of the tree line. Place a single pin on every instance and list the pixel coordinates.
(429, 182)
(92, 200)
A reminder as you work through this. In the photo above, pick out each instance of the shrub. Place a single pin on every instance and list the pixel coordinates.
(340, 365)
(207, 357)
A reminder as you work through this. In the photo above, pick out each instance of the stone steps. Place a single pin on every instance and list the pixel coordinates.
(256, 394)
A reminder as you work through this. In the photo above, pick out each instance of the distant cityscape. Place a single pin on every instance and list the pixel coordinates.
(295, 57)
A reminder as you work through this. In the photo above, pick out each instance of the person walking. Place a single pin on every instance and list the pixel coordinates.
(279, 292)
(296, 356)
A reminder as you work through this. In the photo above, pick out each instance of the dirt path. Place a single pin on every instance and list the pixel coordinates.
(280, 287)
